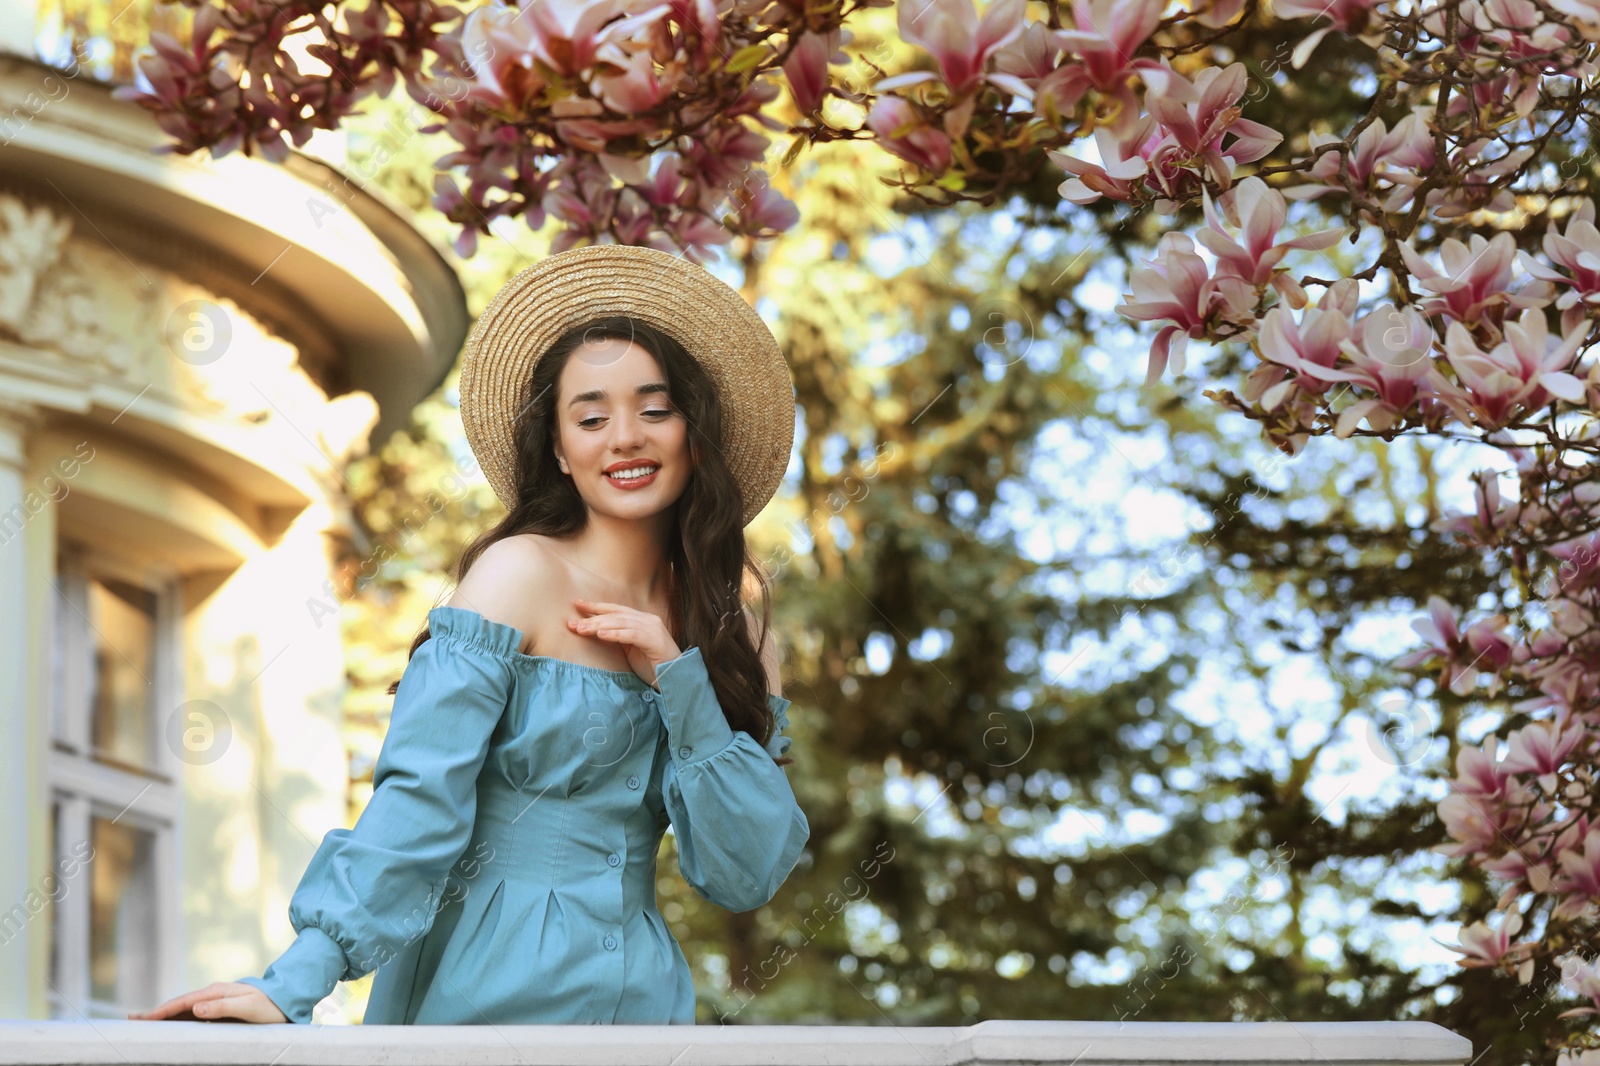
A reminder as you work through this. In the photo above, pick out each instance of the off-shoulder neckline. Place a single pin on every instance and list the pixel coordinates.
(506, 639)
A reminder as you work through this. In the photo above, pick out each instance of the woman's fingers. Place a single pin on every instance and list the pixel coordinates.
(218, 1001)
(178, 1004)
(605, 607)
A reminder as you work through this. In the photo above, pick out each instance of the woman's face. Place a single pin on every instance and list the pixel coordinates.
(614, 417)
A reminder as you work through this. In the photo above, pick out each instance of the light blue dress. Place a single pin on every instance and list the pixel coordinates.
(504, 869)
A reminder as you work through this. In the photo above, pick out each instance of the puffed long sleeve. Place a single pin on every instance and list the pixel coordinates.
(739, 828)
(373, 889)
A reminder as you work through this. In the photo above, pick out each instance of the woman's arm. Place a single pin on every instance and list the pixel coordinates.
(373, 889)
(739, 828)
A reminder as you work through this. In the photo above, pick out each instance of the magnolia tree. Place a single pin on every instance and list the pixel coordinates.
(648, 123)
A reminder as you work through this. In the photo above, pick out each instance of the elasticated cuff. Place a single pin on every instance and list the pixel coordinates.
(303, 975)
(696, 727)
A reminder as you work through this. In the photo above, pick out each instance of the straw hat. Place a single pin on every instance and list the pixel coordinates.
(682, 299)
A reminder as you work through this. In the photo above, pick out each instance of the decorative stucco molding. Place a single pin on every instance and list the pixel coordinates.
(92, 314)
(31, 240)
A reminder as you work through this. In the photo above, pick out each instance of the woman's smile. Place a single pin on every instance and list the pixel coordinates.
(635, 475)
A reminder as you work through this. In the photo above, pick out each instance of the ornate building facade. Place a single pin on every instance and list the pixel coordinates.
(190, 351)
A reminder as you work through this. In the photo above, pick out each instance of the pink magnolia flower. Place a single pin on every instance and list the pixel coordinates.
(1488, 519)
(630, 83)
(1569, 833)
(719, 159)
(1216, 13)
(1138, 154)
(1483, 646)
(1493, 649)
(1175, 285)
(1317, 340)
(697, 234)
(1578, 877)
(806, 68)
(448, 201)
(1485, 946)
(1380, 155)
(1104, 36)
(1577, 251)
(1514, 34)
(1581, 978)
(1200, 114)
(584, 198)
(1521, 373)
(1256, 213)
(1515, 867)
(576, 125)
(1392, 361)
(1443, 639)
(1585, 15)
(497, 44)
(1035, 57)
(762, 211)
(568, 33)
(1475, 275)
(960, 42)
(1030, 55)
(1579, 565)
(632, 221)
(1121, 169)
(1541, 748)
(1476, 824)
(1477, 772)
(501, 44)
(702, 18)
(1354, 17)
(900, 130)
(666, 186)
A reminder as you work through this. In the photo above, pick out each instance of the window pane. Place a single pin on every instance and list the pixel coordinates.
(122, 920)
(59, 610)
(122, 618)
(59, 891)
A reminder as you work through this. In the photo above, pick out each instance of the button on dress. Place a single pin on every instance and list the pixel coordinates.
(504, 869)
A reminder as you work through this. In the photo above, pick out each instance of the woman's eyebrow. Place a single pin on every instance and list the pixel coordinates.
(600, 394)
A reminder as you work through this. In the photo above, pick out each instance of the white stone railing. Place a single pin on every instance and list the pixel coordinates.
(1001, 1043)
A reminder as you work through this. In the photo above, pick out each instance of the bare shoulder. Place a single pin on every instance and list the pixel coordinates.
(506, 580)
(769, 652)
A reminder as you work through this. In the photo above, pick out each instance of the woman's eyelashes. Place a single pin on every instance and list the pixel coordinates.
(654, 411)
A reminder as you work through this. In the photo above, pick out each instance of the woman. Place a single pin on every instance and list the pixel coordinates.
(633, 413)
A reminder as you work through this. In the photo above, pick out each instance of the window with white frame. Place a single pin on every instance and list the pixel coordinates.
(114, 785)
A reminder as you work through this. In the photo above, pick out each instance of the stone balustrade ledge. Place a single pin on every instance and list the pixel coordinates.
(115, 1042)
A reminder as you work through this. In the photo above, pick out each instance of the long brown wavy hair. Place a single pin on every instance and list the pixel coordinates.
(716, 571)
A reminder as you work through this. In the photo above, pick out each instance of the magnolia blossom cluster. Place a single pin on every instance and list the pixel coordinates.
(633, 121)
(627, 120)
(1525, 811)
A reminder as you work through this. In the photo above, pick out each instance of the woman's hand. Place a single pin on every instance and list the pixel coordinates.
(643, 636)
(216, 1002)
